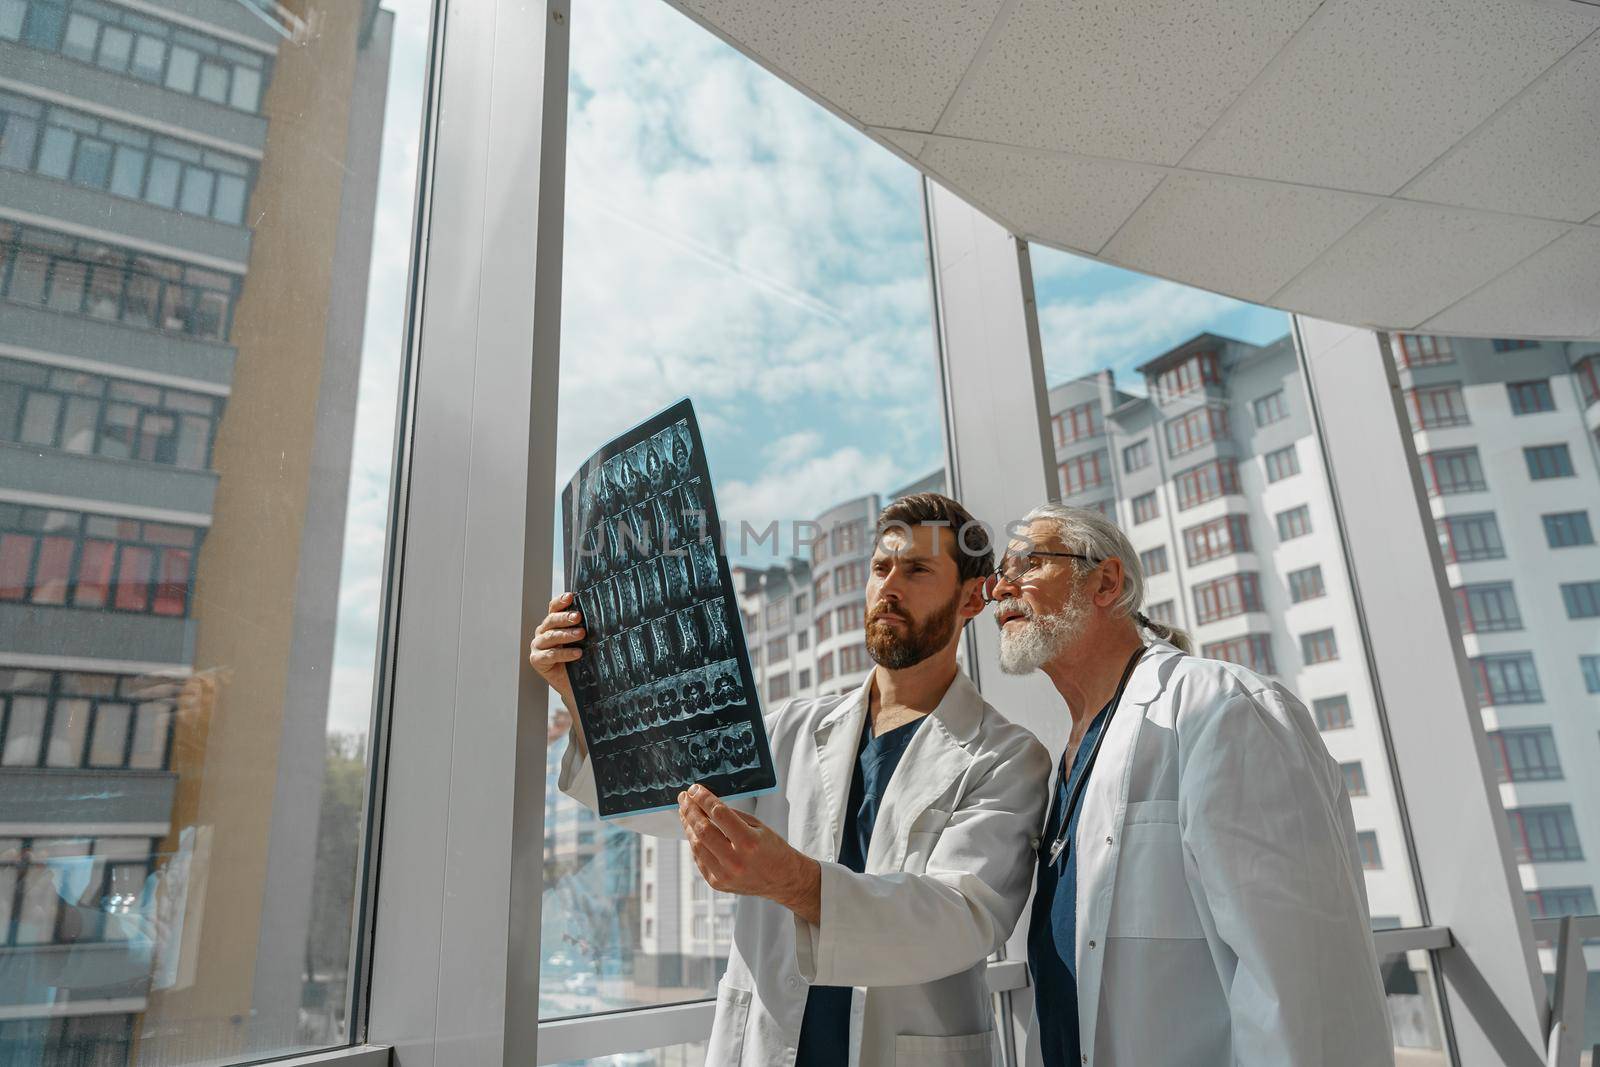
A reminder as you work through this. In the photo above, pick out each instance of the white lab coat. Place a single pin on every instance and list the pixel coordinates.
(947, 875)
(1222, 915)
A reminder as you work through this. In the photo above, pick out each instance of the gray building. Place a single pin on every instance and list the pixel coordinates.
(178, 368)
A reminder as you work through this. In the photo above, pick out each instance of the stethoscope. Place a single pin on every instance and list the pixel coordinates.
(1060, 843)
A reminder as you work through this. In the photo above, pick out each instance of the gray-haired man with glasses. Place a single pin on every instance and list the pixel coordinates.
(1199, 897)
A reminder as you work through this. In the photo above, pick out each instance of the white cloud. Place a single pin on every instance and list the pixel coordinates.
(1123, 327)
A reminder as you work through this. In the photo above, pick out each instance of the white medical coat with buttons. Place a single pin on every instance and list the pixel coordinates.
(1222, 914)
(947, 875)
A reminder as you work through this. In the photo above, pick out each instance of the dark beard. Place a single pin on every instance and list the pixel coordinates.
(922, 639)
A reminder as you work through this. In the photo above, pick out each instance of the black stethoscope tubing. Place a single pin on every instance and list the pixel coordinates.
(1060, 843)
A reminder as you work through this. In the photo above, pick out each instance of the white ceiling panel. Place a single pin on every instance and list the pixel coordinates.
(1073, 203)
(1373, 90)
(1552, 293)
(1408, 262)
(911, 144)
(1135, 79)
(1539, 156)
(1250, 238)
(885, 62)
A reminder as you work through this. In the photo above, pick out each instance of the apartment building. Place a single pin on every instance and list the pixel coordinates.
(186, 208)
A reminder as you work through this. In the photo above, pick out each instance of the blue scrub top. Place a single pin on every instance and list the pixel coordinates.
(1053, 926)
(825, 1031)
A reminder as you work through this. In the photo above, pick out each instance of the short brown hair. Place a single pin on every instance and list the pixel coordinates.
(972, 546)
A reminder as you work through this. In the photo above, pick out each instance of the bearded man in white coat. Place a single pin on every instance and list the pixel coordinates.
(896, 855)
(1199, 895)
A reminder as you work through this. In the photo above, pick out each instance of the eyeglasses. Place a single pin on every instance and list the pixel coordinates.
(1014, 569)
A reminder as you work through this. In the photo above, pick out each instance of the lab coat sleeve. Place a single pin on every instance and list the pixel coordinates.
(577, 781)
(1270, 853)
(903, 928)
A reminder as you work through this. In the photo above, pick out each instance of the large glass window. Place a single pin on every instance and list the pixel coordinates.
(776, 273)
(196, 447)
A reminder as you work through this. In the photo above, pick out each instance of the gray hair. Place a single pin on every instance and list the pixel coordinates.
(1086, 530)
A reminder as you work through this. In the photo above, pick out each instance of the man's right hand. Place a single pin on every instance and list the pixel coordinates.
(554, 646)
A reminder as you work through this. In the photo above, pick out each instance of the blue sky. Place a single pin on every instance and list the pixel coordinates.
(729, 240)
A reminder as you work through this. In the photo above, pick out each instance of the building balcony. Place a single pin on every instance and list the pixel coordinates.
(35, 198)
(136, 348)
(50, 72)
(85, 479)
(45, 801)
(90, 634)
(116, 972)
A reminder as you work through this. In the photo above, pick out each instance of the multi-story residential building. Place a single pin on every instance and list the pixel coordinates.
(1508, 435)
(187, 193)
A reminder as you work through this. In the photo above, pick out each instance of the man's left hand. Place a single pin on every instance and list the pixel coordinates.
(738, 853)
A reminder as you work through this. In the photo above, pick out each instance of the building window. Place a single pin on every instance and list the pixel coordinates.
(108, 866)
(853, 658)
(800, 605)
(1332, 713)
(1421, 351)
(804, 681)
(752, 622)
(1506, 678)
(1464, 538)
(1590, 665)
(778, 649)
(77, 147)
(1355, 779)
(1224, 598)
(1568, 528)
(1513, 344)
(824, 627)
(1282, 463)
(94, 415)
(1525, 754)
(1252, 650)
(1145, 507)
(850, 617)
(1306, 584)
(1582, 599)
(1206, 482)
(1527, 398)
(778, 686)
(850, 577)
(1587, 371)
(1544, 834)
(1078, 423)
(1164, 612)
(1452, 470)
(1486, 607)
(72, 719)
(1435, 406)
(1318, 647)
(802, 640)
(1548, 461)
(1555, 903)
(95, 561)
(1367, 843)
(825, 668)
(819, 587)
(1220, 537)
(1154, 561)
(1296, 522)
(1270, 408)
(777, 612)
(1188, 376)
(1189, 431)
(1082, 473)
(1136, 456)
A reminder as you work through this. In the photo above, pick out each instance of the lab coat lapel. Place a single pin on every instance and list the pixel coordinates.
(837, 739)
(934, 759)
(1104, 810)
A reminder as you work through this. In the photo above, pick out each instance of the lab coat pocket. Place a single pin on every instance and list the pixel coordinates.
(726, 1044)
(964, 1050)
(1151, 898)
(921, 837)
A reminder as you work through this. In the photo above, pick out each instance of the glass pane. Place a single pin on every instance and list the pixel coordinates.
(761, 292)
(1409, 987)
(228, 916)
(690, 1055)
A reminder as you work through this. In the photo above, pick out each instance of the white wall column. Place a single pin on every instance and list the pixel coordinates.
(1495, 994)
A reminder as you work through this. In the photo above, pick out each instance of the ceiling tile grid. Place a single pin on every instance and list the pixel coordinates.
(1555, 293)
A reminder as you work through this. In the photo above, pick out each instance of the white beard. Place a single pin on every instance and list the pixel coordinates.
(1026, 647)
